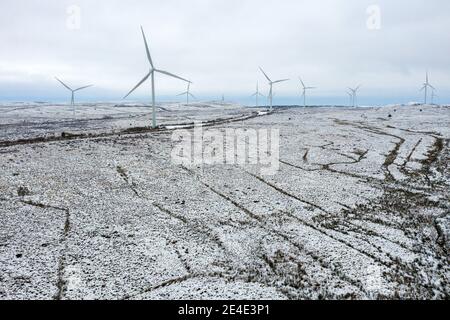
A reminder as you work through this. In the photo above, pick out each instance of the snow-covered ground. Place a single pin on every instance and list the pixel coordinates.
(25, 121)
(359, 208)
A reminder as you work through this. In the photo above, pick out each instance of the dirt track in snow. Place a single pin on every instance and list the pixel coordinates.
(359, 209)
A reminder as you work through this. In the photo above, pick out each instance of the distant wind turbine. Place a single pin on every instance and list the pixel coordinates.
(351, 97)
(187, 93)
(151, 74)
(433, 95)
(305, 88)
(271, 83)
(355, 95)
(425, 87)
(257, 94)
(72, 100)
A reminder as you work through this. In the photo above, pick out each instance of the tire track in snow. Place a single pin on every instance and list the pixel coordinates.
(355, 282)
(61, 283)
(318, 229)
(193, 226)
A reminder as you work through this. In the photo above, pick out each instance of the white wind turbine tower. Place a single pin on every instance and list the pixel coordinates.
(350, 94)
(151, 74)
(271, 83)
(354, 94)
(257, 94)
(433, 95)
(187, 93)
(72, 100)
(305, 88)
(425, 87)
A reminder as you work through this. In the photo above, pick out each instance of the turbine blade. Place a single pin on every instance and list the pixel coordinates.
(63, 84)
(267, 77)
(85, 87)
(253, 95)
(182, 94)
(146, 48)
(192, 96)
(278, 81)
(139, 84)
(303, 84)
(171, 75)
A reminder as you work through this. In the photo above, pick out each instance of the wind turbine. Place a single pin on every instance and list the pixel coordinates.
(425, 87)
(72, 100)
(257, 94)
(151, 74)
(354, 95)
(271, 83)
(351, 97)
(433, 95)
(187, 93)
(305, 88)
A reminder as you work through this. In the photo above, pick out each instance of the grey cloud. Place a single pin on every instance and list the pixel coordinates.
(220, 44)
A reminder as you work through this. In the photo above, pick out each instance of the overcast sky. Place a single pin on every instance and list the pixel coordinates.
(219, 45)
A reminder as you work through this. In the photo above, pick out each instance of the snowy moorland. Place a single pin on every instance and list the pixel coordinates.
(92, 207)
